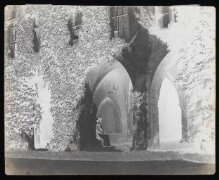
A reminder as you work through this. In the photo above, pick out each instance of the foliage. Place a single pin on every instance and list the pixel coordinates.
(140, 121)
(192, 41)
(63, 67)
(196, 59)
(22, 109)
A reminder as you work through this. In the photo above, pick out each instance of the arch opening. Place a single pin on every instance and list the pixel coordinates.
(166, 72)
(43, 133)
(113, 102)
(170, 116)
(111, 116)
(110, 86)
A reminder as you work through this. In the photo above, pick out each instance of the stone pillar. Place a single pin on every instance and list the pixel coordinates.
(184, 113)
(140, 122)
(184, 124)
(154, 125)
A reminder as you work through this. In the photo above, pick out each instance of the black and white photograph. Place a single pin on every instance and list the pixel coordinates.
(109, 90)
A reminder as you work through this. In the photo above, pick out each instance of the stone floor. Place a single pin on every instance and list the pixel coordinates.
(106, 163)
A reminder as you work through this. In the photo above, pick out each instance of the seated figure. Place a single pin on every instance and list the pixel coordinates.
(100, 135)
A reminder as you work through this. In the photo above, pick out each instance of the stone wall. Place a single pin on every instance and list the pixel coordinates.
(191, 42)
(141, 58)
(196, 63)
(63, 67)
(22, 109)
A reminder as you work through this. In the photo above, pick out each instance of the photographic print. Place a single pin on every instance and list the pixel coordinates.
(109, 90)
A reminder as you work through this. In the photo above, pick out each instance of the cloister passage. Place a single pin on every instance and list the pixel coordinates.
(111, 116)
(111, 85)
(170, 121)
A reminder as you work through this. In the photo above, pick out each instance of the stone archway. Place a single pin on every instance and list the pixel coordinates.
(167, 69)
(110, 85)
(110, 112)
(170, 118)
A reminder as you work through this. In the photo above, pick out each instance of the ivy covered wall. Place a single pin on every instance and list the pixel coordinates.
(191, 41)
(63, 67)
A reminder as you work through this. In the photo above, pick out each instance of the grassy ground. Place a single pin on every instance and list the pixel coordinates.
(63, 167)
(106, 163)
(113, 156)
